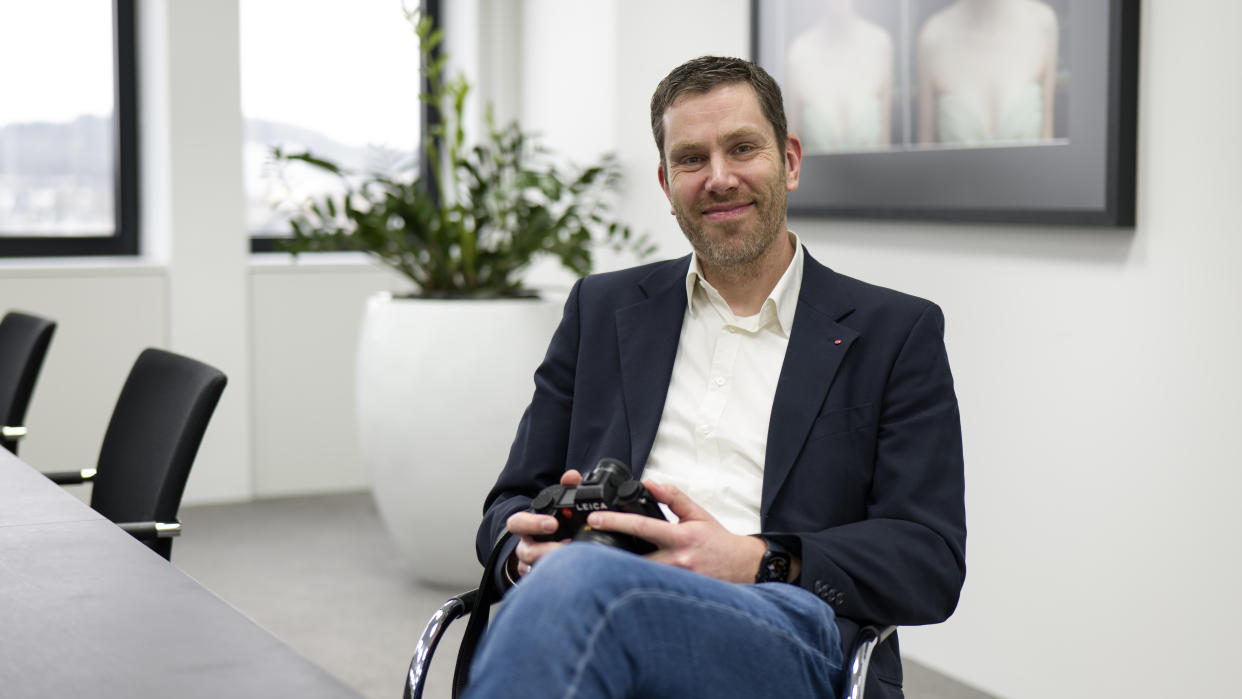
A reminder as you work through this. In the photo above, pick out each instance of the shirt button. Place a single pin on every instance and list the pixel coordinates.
(720, 381)
(705, 429)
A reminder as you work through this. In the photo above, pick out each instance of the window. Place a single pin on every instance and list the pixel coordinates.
(68, 148)
(341, 82)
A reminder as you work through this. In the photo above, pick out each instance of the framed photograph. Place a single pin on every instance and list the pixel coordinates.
(958, 110)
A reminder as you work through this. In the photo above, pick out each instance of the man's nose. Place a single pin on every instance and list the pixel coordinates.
(720, 176)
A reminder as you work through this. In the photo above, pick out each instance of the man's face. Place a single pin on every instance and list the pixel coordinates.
(725, 176)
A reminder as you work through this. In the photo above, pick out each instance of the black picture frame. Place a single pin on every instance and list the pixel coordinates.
(1084, 175)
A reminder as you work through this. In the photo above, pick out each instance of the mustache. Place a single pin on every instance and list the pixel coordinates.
(727, 198)
(715, 200)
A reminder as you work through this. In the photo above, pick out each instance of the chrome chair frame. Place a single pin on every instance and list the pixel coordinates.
(454, 608)
(865, 643)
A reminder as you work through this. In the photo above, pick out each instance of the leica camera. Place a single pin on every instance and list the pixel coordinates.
(608, 486)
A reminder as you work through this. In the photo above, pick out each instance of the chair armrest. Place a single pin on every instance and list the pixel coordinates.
(869, 637)
(71, 477)
(149, 531)
(453, 608)
(12, 432)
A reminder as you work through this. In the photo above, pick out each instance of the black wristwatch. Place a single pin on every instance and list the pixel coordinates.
(775, 564)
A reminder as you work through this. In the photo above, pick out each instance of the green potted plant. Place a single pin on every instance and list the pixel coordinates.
(444, 372)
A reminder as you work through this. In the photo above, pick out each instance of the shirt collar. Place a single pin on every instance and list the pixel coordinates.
(783, 300)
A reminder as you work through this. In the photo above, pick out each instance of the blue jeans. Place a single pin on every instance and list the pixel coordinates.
(593, 621)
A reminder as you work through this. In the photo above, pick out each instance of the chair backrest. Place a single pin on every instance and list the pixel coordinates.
(24, 339)
(153, 437)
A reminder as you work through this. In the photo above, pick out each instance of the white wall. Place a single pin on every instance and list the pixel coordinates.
(1096, 369)
(304, 333)
(193, 206)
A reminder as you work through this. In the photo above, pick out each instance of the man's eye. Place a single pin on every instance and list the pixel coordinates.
(745, 148)
(692, 160)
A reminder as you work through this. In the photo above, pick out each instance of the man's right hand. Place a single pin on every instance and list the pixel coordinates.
(527, 525)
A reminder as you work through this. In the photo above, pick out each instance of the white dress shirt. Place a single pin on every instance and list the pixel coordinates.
(713, 432)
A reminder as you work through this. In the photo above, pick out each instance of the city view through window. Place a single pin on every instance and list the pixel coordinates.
(342, 84)
(56, 119)
(338, 80)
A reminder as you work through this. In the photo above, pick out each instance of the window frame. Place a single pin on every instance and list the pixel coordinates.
(124, 237)
(265, 242)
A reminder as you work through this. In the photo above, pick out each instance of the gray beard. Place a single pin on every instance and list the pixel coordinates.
(737, 254)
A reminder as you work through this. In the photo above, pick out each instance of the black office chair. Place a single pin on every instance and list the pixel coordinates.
(477, 603)
(151, 441)
(24, 339)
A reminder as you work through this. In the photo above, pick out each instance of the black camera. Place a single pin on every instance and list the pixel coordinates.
(608, 486)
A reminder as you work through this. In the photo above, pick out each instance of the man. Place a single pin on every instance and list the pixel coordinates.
(800, 425)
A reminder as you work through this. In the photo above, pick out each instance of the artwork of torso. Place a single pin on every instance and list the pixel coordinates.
(1006, 113)
(840, 83)
(987, 72)
(849, 123)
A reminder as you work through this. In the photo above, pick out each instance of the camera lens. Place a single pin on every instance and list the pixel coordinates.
(608, 470)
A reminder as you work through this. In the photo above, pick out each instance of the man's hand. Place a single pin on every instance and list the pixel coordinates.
(697, 542)
(527, 525)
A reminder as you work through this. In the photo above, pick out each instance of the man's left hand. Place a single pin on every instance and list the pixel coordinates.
(697, 542)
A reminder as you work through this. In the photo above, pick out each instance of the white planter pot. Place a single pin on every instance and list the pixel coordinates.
(441, 387)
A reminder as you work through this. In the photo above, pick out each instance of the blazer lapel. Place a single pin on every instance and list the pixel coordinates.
(647, 335)
(817, 345)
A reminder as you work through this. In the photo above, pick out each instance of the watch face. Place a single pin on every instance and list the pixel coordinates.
(775, 567)
(778, 567)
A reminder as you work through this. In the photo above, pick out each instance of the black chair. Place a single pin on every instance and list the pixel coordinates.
(151, 441)
(24, 339)
(865, 643)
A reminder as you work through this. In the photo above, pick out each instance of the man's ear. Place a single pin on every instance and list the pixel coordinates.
(662, 176)
(793, 162)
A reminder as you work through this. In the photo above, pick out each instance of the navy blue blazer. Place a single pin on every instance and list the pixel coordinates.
(863, 477)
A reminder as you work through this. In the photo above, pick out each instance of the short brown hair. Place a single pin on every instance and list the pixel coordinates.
(702, 75)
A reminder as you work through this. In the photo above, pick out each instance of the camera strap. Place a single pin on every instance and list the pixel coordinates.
(489, 594)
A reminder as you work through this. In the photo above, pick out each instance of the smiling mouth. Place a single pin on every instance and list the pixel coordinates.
(726, 212)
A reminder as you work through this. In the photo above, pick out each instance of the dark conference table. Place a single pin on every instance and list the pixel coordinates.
(88, 611)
